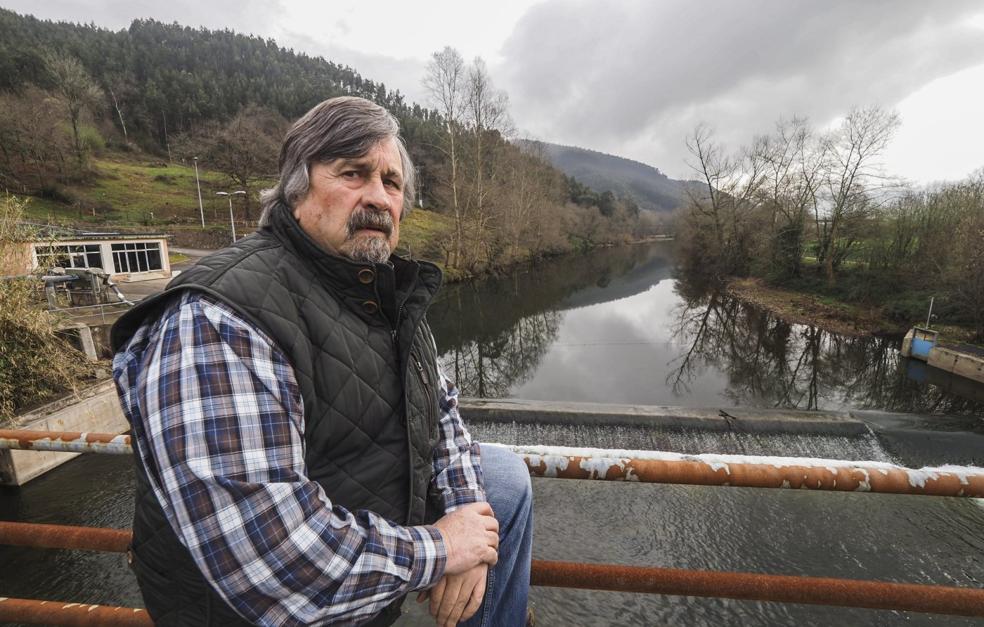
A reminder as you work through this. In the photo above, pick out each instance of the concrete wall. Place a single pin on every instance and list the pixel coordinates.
(962, 364)
(96, 409)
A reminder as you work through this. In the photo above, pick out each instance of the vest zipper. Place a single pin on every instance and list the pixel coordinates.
(420, 369)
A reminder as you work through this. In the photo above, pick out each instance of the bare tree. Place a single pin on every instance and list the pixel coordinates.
(792, 165)
(445, 82)
(246, 148)
(727, 202)
(33, 144)
(77, 90)
(486, 113)
(850, 171)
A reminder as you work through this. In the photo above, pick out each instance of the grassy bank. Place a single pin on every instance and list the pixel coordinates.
(850, 307)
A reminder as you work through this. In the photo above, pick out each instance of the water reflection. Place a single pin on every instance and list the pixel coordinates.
(617, 326)
(771, 362)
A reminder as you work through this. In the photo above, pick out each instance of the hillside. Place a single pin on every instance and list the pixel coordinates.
(649, 187)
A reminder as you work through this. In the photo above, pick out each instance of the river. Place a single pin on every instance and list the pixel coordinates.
(615, 326)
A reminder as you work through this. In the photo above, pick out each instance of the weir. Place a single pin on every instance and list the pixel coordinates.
(905, 439)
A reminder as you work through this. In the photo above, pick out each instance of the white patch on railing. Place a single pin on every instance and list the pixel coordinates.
(917, 476)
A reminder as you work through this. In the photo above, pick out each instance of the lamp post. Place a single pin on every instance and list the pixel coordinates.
(232, 220)
(201, 209)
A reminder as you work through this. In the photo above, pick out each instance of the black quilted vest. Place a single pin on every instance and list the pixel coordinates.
(365, 362)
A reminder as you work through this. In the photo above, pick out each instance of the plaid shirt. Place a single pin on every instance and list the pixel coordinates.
(218, 424)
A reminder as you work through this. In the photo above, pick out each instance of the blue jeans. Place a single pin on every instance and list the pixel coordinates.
(507, 484)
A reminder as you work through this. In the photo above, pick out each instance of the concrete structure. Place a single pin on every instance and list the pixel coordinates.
(96, 409)
(125, 256)
(964, 361)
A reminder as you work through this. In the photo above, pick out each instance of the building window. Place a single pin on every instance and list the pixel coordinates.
(137, 257)
(68, 256)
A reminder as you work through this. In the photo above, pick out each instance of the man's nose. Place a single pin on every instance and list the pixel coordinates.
(375, 195)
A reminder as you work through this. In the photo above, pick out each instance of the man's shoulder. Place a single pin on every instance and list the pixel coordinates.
(258, 250)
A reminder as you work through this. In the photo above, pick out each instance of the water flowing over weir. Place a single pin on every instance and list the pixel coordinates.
(876, 437)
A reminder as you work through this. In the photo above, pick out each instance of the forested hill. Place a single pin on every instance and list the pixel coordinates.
(649, 187)
(167, 78)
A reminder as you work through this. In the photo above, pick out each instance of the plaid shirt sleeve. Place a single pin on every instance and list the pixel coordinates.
(457, 459)
(218, 424)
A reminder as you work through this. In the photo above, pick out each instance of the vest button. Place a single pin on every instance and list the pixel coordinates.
(370, 307)
(366, 276)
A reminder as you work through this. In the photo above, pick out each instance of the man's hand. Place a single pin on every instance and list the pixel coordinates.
(471, 537)
(456, 598)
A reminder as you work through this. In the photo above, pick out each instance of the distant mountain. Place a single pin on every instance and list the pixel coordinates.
(650, 188)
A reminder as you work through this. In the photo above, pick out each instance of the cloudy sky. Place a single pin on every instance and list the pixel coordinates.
(633, 77)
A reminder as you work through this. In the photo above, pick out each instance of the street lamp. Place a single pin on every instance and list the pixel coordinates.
(232, 220)
(201, 209)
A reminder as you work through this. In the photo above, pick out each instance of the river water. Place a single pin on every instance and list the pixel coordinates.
(616, 327)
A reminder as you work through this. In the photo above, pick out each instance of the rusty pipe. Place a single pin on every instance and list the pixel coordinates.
(60, 613)
(645, 466)
(613, 577)
(750, 471)
(65, 441)
(757, 587)
(64, 537)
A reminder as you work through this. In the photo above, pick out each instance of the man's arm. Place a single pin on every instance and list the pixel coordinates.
(219, 425)
(457, 460)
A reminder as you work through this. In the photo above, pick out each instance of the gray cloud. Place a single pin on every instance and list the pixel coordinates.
(635, 77)
(397, 74)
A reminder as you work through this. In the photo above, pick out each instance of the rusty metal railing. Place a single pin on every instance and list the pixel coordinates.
(609, 577)
(570, 463)
(36, 612)
(65, 441)
(751, 471)
(646, 467)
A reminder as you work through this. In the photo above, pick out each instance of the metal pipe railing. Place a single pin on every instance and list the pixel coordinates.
(751, 471)
(757, 587)
(40, 536)
(65, 441)
(36, 612)
(609, 577)
(646, 467)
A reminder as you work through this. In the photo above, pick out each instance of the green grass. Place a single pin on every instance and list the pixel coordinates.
(137, 190)
(422, 233)
(127, 189)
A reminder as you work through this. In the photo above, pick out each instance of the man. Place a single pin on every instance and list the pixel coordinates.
(294, 435)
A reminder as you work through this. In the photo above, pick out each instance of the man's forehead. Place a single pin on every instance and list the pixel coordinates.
(383, 156)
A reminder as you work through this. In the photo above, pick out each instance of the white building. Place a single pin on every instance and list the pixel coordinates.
(125, 256)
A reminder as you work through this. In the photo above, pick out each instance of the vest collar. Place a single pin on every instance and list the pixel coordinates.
(369, 289)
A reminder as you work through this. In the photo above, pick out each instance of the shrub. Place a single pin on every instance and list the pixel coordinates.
(35, 364)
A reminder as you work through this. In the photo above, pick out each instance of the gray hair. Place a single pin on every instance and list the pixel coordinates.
(338, 128)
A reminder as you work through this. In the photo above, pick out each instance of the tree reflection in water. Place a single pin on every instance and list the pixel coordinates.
(771, 362)
(576, 313)
(493, 334)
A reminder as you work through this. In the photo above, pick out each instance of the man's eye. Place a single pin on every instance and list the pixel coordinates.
(393, 184)
(350, 174)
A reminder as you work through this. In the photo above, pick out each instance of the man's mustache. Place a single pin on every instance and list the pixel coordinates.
(363, 219)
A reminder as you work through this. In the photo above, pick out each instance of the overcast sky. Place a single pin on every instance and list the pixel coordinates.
(633, 78)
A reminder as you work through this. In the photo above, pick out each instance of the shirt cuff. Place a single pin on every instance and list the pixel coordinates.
(430, 556)
(464, 496)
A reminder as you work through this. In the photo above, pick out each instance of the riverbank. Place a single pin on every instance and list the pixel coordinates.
(827, 313)
(814, 310)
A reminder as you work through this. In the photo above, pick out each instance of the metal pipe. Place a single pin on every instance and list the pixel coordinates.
(613, 577)
(35, 612)
(750, 471)
(645, 466)
(65, 441)
(757, 587)
(41, 536)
